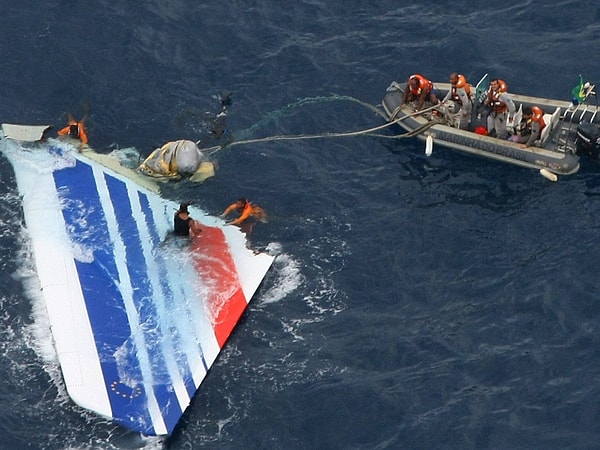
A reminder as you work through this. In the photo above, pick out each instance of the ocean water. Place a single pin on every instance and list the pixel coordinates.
(416, 302)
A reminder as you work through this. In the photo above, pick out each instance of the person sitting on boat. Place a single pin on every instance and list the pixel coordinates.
(75, 129)
(460, 94)
(420, 89)
(531, 126)
(183, 224)
(246, 209)
(500, 103)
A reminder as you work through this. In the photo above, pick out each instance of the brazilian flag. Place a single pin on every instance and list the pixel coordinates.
(578, 92)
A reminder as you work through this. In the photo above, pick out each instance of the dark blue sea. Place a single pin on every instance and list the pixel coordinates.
(442, 302)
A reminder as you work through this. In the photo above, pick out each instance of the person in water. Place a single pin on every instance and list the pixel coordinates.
(246, 210)
(183, 224)
(75, 129)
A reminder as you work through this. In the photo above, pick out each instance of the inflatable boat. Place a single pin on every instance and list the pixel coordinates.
(571, 130)
(138, 316)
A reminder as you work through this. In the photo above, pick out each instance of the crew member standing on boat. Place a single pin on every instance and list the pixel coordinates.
(460, 94)
(531, 126)
(419, 88)
(183, 224)
(75, 129)
(501, 103)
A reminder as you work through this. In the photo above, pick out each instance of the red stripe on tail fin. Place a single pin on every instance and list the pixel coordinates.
(225, 297)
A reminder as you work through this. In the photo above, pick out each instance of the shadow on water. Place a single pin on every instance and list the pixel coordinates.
(451, 177)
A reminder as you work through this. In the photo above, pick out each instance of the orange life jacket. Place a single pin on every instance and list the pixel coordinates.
(538, 116)
(248, 210)
(424, 84)
(75, 130)
(494, 97)
(460, 83)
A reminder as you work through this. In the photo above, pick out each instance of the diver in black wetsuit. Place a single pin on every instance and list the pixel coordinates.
(183, 224)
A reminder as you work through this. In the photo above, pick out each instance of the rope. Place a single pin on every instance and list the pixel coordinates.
(365, 132)
(408, 134)
(297, 137)
(288, 110)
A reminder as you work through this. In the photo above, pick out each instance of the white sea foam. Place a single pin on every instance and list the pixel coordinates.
(287, 277)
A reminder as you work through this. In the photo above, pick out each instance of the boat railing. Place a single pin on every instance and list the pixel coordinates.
(577, 113)
(570, 120)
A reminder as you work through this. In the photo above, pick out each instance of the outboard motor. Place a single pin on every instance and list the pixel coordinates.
(588, 140)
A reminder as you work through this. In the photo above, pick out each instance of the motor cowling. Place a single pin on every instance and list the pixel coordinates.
(588, 140)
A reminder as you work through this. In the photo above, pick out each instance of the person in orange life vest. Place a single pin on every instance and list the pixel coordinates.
(183, 224)
(419, 88)
(75, 129)
(531, 126)
(500, 103)
(460, 94)
(246, 209)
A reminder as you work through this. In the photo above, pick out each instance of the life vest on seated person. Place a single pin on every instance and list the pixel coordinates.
(537, 115)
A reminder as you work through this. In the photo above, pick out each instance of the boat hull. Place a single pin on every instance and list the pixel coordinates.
(560, 160)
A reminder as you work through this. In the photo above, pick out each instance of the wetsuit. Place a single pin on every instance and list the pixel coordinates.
(181, 227)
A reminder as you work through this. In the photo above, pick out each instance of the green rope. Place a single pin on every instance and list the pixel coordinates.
(290, 110)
